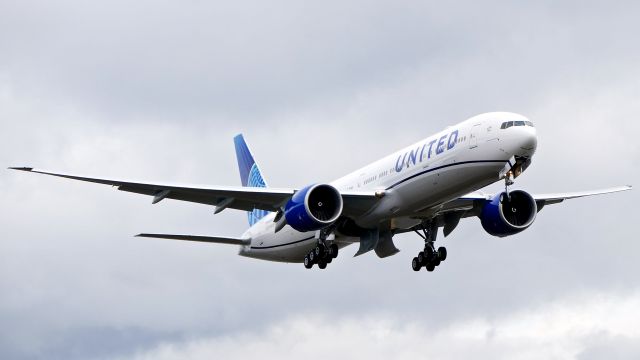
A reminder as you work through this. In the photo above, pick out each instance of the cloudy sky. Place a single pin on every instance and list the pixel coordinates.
(155, 90)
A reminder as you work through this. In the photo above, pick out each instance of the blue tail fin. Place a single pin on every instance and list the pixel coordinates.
(249, 174)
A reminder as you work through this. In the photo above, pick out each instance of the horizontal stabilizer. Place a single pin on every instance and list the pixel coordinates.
(207, 239)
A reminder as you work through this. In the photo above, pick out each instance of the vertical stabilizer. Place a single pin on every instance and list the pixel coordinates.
(250, 175)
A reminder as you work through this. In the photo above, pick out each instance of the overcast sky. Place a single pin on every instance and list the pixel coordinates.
(155, 90)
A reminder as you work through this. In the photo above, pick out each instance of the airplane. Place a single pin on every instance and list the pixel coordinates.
(428, 185)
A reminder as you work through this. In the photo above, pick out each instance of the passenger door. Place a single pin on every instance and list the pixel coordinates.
(473, 136)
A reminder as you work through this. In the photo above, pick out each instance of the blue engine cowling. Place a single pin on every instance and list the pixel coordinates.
(313, 207)
(502, 217)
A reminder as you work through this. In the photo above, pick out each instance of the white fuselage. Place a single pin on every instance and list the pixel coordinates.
(416, 180)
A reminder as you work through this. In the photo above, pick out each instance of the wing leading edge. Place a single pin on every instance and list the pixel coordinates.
(222, 197)
(549, 199)
(199, 238)
(541, 199)
(450, 214)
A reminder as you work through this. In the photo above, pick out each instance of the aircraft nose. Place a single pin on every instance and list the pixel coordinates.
(528, 140)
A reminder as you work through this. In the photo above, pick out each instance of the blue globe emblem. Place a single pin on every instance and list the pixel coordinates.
(255, 180)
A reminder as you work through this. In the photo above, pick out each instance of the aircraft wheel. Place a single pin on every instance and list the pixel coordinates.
(436, 262)
(430, 267)
(328, 260)
(322, 264)
(428, 253)
(312, 256)
(421, 258)
(442, 253)
(308, 263)
(334, 251)
(319, 250)
(415, 264)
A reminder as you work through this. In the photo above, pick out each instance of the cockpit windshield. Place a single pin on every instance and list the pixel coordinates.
(508, 124)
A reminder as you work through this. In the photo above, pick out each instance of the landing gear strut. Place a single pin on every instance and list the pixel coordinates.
(430, 257)
(508, 181)
(324, 252)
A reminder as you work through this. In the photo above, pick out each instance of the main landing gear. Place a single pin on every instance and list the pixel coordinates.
(430, 257)
(324, 252)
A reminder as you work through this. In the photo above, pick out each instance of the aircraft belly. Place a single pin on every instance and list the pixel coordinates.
(292, 251)
(447, 184)
(288, 245)
(432, 189)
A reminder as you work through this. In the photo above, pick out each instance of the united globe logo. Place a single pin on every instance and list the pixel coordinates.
(255, 180)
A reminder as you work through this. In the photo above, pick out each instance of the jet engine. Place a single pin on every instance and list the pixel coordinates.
(508, 215)
(313, 207)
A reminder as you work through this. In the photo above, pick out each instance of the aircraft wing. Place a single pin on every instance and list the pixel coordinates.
(471, 199)
(548, 199)
(199, 238)
(222, 197)
(449, 214)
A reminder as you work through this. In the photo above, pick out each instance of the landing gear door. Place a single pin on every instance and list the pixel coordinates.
(473, 136)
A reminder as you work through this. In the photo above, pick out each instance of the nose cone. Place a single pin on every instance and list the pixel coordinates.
(527, 139)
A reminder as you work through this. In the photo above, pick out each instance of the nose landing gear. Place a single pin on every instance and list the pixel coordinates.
(508, 181)
(430, 257)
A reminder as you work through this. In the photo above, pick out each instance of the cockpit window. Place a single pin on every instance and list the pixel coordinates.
(508, 124)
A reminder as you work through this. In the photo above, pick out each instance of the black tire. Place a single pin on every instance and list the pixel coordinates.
(428, 253)
(421, 259)
(415, 264)
(442, 253)
(312, 256)
(334, 251)
(319, 251)
(436, 262)
(307, 263)
(430, 267)
(322, 264)
(329, 259)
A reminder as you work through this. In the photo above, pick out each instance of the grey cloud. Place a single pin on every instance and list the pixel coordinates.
(603, 345)
(250, 59)
(568, 328)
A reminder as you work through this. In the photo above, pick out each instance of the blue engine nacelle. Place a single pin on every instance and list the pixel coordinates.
(313, 207)
(502, 216)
